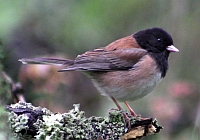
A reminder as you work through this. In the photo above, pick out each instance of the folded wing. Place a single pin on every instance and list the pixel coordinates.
(102, 60)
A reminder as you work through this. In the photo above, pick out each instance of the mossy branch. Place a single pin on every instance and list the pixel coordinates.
(29, 122)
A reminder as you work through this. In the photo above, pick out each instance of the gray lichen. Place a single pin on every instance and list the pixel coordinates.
(27, 121)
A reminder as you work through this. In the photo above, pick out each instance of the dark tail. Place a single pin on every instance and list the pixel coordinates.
(47, 61)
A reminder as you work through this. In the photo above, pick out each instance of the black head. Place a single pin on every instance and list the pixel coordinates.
(159, 44)
(154, 40)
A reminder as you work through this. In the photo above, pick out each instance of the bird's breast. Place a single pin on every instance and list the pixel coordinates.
(130, 84)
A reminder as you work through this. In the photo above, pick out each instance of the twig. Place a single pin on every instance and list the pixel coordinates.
(16, 89)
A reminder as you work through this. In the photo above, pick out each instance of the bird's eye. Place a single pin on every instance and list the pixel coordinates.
(160, 40)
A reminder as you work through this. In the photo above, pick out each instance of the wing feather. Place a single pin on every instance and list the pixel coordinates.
(102, 60)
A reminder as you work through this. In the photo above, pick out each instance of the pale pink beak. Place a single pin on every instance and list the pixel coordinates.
(171, 48)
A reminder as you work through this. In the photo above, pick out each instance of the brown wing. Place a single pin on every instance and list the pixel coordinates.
(103, 60)
(121, 54)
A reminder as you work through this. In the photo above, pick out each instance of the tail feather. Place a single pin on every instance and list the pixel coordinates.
(47, 61)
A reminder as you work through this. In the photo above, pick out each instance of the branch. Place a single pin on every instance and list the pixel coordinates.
(27, 121)
(16, 88)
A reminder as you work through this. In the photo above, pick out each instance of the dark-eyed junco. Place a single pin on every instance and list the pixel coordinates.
(125, 70)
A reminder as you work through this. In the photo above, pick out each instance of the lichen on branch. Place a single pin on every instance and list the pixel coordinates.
(27, 121)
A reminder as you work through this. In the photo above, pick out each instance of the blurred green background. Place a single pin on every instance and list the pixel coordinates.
(65, 28)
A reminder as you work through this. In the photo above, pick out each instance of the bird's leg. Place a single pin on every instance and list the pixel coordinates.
(133, 112)
(116, 103)
(126, 118)
(130, 109)
(127, 105)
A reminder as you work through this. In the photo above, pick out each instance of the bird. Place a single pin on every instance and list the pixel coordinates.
(124, 70)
